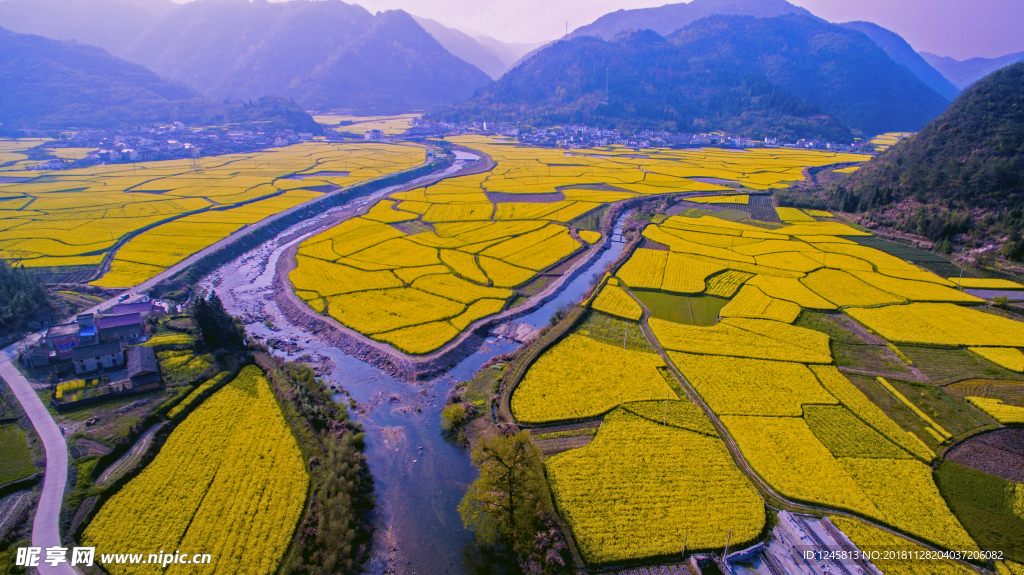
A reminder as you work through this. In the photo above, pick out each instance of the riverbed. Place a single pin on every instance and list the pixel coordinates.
(420, 477)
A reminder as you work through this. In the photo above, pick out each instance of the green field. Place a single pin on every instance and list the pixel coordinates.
(691, 310)
(14, 455)
(986, 505)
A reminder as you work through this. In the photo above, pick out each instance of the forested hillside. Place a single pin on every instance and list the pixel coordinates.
(51, 84)
(790, 77)
(963, 173)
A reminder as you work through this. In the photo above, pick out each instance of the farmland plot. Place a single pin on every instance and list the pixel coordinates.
(169, 209)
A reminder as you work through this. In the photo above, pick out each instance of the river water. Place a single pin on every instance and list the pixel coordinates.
(420, 477)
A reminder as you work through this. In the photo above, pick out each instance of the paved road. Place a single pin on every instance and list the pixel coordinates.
(46, 523)
(45, 526)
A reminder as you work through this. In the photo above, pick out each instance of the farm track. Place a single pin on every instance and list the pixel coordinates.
(129, 459)
(46, 522)
(771, 497)
(869, 338)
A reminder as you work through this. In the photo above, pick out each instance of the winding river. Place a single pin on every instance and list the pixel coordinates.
(420, 477)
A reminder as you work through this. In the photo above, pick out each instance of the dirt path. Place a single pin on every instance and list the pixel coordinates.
(769, 494)
(128, 460)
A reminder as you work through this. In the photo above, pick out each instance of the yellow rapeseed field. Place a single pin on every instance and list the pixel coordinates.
(1006, 414)
(985, 283)
(580, 377)
(615, 301)
(941, 324)
(1008, 357)
(168, 210)
(872, 539)
(640, 488)
(231, 467)
(739, 337)
(742, 386)
(751, 302)
(468, 225)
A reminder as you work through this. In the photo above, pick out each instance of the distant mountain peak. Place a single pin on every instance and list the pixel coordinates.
(671, 17)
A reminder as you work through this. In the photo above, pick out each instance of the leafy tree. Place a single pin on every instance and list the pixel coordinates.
(217, 329)
(22, 297)
(502, 503)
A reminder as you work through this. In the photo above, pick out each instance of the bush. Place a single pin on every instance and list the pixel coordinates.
(453, 417)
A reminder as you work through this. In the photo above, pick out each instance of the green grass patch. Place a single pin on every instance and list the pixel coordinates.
(15, 459)
(590, 220)
(866, 357)
(691, 310)
(943, 365)
(824, 323)
(484, 384)
(950, 412)
(614, 331)
(1008, 391)
(990, 508)
(924, 258)
(580, 432)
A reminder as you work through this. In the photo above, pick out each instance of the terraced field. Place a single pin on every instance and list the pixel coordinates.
(812, 435)
(170, 209)
(231, 467)
(424, 264)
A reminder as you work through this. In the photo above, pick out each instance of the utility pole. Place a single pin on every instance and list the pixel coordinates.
(566, 30)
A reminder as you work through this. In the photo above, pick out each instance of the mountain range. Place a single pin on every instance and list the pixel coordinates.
(773, 66)
(792, 75)
(963, 73)
(47, 83)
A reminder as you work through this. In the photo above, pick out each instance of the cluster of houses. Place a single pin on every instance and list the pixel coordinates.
(101, 343)
(172, 141)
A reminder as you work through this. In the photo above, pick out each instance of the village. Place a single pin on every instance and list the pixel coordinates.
(98, 356)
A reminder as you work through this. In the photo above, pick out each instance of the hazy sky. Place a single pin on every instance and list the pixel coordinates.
(958, 28)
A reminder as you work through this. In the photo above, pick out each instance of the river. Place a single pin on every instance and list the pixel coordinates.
(420, 477)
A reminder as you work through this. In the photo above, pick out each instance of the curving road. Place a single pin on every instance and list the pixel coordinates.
(46, 522)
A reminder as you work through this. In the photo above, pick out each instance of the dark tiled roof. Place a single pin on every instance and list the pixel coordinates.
(100, 349)
(63, 330)
(141, 360)
(109, 321)
(124, 308)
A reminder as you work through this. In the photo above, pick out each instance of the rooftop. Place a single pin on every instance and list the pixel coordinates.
(128, 308)
(62, 330)
(141, 360)
(109, 321)
(98, 350)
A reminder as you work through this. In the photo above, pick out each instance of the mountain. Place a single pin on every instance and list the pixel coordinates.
(965, 169)
(325, 55)
(785, 76)
(642, 80)
(963, 73)
(109, 24)
(52, 84)
(465, 47)
(508, 52)
(671, 17)
(900, 51)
